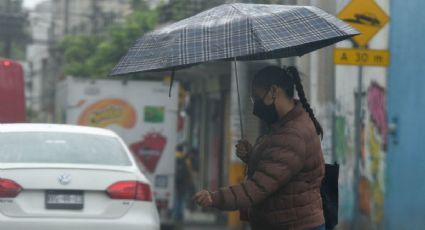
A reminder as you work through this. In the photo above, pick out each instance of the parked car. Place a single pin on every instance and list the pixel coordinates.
(71, 177)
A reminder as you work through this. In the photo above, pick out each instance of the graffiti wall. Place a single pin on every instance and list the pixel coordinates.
(363, 192)
(373, 162)
(345, 156)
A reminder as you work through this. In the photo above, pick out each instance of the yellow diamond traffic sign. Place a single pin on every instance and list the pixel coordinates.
(366, 16)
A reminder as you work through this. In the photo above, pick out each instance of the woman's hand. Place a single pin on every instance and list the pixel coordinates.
(243, 148)
(203, 199)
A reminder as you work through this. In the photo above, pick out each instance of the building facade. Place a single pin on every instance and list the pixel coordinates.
(87, 17)
(38, 56)
(404, 201)
(50, 22)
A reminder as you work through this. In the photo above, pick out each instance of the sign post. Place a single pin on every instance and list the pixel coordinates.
(367, 17)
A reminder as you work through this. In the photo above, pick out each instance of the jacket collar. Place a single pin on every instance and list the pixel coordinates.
(297, 111)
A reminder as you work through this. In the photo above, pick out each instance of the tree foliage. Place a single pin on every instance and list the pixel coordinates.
(180, 9)
(94, 56)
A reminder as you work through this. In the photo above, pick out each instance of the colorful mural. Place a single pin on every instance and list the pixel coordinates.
(377, 110)
(376, 147)
(371, 181)
(371, 185)
(341, 134)
(344, 155)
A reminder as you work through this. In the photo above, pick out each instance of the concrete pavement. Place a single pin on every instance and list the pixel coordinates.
(204, 227)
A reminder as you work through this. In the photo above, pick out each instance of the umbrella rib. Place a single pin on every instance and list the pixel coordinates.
(254, 32)
(274, 35)
(333, 22)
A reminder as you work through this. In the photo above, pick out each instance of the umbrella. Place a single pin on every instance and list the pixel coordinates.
(242, 31)
(235, 32)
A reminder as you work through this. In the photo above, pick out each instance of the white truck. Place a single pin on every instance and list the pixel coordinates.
(141, 112)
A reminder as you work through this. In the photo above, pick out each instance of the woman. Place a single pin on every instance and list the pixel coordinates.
(285, 166)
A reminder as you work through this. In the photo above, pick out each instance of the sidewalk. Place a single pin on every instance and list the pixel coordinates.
(203, 220)
(203, 227)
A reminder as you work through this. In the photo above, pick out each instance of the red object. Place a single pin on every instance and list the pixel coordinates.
(180, 123)
(12, 96)
(9, 188)
(7, 63)
(149, 150)
(162, 204)
(130, 190)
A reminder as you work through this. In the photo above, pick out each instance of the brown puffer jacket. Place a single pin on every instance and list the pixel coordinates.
(285, 171)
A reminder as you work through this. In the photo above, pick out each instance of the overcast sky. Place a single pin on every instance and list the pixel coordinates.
(31, 3)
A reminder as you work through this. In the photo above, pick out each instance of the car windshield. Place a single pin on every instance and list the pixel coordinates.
(61, 148)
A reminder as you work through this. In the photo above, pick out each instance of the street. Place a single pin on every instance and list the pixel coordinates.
(203, 227)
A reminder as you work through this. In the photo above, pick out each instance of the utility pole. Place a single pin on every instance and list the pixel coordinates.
(8, 47)
(11, 24)
(66, 17)
(7, 39)
(358, 146)
(95, 14)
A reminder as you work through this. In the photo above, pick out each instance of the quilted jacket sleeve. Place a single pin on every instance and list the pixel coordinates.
(278, 164)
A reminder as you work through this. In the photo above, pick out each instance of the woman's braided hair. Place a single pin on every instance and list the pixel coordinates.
(287, 78)
(293, 72)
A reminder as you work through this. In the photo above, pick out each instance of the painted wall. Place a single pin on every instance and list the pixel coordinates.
(405, 199)
(362, 196)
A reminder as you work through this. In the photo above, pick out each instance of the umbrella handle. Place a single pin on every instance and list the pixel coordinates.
(239, 100)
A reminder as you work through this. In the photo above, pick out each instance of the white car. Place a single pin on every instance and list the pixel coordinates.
(70, 177)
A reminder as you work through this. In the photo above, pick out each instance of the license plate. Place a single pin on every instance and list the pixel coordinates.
(73, 200)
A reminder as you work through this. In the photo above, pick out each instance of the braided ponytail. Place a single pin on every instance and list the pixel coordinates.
(293, 72)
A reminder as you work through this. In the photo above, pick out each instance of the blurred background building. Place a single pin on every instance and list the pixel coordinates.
(87, 17)
(50, 22)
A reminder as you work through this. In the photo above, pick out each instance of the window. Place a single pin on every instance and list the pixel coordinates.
(61, 148)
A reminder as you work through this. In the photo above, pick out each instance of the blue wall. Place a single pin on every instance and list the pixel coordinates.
(405, 195)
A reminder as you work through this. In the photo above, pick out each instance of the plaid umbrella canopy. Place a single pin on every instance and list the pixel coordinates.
(235, 31)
